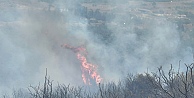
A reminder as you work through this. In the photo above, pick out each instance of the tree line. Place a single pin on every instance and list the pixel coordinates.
(161, 84)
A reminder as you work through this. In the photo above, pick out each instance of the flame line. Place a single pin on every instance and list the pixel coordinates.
(86, 67)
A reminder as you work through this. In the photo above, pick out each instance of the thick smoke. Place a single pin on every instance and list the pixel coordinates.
(31, 39)
(135, 50)
(31, 42)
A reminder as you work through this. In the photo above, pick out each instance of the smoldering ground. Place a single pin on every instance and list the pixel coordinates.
(31, 39)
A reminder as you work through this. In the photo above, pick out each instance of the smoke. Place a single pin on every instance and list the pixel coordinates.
(31, 39)
(32, 42)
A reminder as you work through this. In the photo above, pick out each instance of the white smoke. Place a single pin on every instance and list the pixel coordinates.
(31, 42)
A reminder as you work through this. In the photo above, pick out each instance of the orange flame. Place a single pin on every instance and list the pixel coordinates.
(87, 68)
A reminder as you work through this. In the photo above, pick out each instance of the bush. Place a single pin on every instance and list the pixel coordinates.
(156, 85)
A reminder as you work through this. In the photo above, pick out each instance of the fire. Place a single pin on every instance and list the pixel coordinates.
(88, 69)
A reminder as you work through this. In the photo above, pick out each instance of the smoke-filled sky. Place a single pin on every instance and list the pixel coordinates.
(31, 39)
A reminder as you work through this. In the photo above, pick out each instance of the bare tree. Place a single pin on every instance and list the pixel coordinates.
(174, 84)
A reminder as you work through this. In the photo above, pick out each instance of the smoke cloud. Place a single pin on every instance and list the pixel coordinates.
(31, 39)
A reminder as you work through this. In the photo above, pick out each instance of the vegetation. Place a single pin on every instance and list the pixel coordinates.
(161, 84)
(156, 85)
